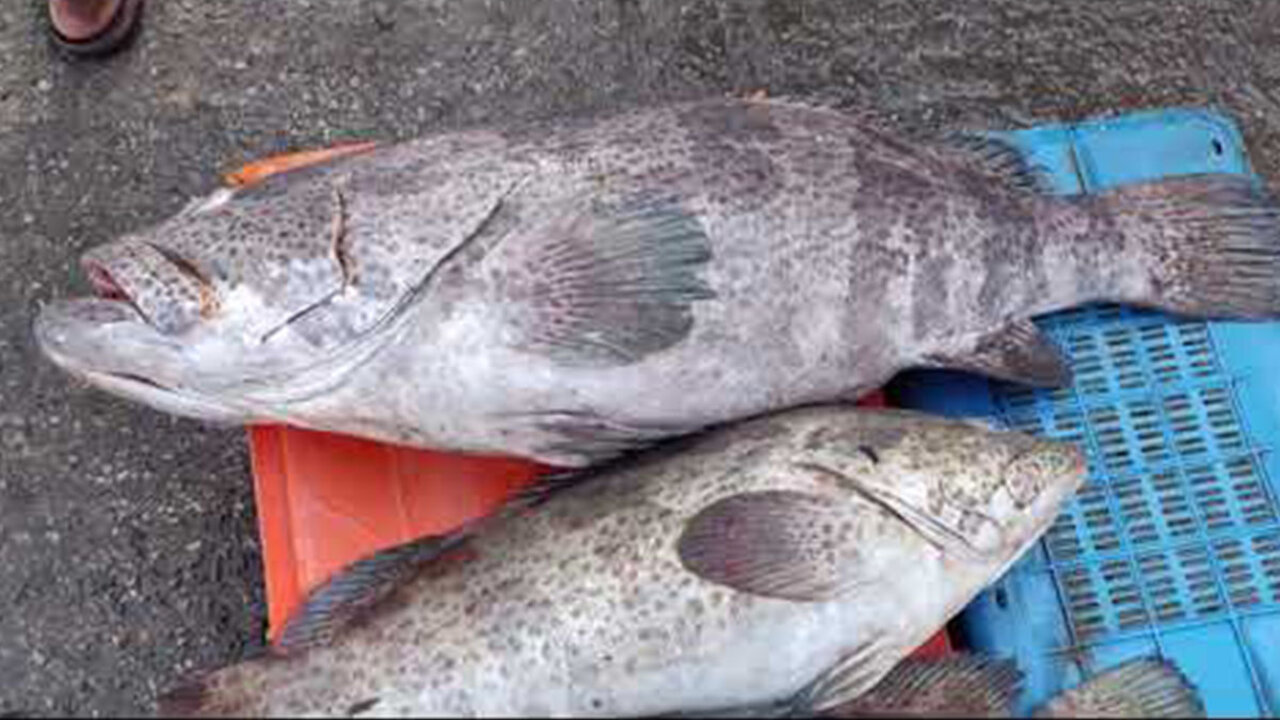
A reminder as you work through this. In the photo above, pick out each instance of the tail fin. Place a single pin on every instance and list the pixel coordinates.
(1142, 688)
(1210, 245)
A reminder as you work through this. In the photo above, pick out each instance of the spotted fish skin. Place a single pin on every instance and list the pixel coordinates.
(568, 290)
(856, 535)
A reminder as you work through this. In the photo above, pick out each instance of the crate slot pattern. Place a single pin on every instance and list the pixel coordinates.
(1177, 524)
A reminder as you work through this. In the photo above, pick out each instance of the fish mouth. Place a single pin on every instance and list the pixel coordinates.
(166, 289)
(77, 333)
(106, 287)
(108, 343)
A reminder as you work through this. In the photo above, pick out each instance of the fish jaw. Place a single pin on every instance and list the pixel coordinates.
(110, 345)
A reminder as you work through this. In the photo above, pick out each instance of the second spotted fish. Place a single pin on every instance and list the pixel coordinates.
(791, 561)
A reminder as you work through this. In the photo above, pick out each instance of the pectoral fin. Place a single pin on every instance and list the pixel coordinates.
(780, 544)
(607, 285)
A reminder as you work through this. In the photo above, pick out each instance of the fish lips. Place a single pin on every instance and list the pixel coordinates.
(108, 343)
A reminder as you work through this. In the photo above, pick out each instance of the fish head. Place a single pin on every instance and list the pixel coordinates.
(961, 485)
(201, 313)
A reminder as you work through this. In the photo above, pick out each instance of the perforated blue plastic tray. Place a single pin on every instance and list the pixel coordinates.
(1173, 547)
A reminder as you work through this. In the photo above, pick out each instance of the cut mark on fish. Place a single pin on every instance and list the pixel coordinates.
(341, 257)
(339, 239)
(286, 386)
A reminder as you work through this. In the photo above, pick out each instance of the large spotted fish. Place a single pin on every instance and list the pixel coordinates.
(788, 562)
(568, 290)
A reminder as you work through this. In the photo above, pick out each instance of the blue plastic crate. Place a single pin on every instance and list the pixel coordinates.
(1173, 547)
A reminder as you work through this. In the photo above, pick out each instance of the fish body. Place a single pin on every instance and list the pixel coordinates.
(567, 291)
(730, 569)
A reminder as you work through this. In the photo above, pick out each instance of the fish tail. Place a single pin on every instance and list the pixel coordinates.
(1207, 246)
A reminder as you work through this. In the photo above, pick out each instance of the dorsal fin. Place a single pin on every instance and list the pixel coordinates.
(354, 590)
(998, 159)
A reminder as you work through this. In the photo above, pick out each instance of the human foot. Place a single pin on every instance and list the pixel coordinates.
(93, 27)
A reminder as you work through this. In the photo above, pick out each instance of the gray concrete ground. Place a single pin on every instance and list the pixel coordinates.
(128, 549)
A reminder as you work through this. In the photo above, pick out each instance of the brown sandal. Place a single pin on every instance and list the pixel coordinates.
(114, 35)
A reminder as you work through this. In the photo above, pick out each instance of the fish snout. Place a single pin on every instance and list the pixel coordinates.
(1046, 465)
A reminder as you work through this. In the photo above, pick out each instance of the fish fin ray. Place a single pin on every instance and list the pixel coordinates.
(1000, 160)
(956, 686)
(545, 487)
(609, 286)
(770, 543)
(1019, 352)
(1146, 687)
(346, 596)
(855, 674)
(1211, 245)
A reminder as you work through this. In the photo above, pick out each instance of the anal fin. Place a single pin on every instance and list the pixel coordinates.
(1018, 352)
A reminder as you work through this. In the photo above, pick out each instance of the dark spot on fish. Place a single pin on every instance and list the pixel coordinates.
(361, 706)
(869, 453)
